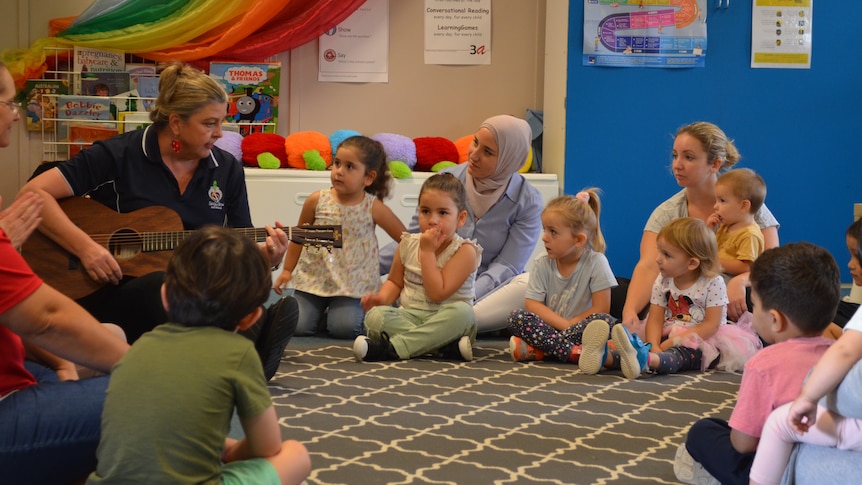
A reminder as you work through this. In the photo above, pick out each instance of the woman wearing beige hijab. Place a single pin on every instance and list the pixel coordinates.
(503, 216)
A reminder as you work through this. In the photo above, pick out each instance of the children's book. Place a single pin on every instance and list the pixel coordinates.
(86, 60)
(104, 83)
(71, 107)
(252, 90)
(41, 102)
(83, 135)
(148, 90)
(132, 120)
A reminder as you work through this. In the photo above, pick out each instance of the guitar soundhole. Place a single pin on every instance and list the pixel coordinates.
(125, 244)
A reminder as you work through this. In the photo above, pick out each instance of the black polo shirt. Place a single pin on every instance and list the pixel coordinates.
(127, 173)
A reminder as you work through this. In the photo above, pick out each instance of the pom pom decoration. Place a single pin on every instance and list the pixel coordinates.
(231, 142)
(400, 170)
(268, 160)
(339, 136)
(441, 165)
(398, 147)
(296, 144)
(313, 160)
(463, 146)
(256, 143)
(433, 149)
(527, 163)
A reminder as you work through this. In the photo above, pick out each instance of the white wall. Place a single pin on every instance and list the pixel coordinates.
(528, 70)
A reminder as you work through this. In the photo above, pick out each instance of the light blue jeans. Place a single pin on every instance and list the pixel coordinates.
(343, 319)
(49, 432)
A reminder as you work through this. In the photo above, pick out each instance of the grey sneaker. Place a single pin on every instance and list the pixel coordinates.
(594, 347)
(689, 471)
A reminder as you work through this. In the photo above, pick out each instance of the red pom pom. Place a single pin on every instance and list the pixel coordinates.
(256, 143)
(433, 149)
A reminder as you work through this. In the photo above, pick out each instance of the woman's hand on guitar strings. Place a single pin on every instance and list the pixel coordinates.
(276, 243)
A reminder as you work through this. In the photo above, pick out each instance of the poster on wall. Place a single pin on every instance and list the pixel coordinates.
(645, 33)
(458, 32)
(781, 34)
(357, 49)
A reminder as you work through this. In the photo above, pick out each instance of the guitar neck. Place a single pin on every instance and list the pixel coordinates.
(169, 240)
(326, 236)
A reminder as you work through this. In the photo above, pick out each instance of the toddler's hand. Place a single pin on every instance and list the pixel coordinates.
(370, 301)
(802, 414)
(713, 221)
(430, 239)
(282, 281)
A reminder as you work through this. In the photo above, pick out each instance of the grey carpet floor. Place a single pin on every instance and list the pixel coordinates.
(490, 421)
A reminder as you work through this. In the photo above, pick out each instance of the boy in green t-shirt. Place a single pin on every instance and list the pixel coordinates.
(170, 399)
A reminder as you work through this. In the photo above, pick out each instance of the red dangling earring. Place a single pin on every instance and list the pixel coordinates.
(175, 145)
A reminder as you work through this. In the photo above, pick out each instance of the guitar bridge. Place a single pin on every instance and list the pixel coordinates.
(74, 262)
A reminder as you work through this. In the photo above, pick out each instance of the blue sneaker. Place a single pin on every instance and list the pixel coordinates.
(634, 354)
(594, 347)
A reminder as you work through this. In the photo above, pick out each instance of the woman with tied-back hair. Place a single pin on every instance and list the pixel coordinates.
(701, 152)
(172, 163)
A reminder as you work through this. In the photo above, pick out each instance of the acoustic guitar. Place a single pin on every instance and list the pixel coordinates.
(137, 239)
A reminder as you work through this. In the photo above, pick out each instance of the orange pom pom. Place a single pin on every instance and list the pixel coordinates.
(298, 143)
(463, 146)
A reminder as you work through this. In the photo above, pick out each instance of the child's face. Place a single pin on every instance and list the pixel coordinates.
(761, 319)
(729, 208)
(855, 265)
(348, 173)
(558, 237)
(438, 210)
(672, 261)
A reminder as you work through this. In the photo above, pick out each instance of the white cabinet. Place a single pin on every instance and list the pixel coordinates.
(278, 195)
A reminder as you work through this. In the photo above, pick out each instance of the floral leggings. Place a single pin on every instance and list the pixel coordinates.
(555, 343)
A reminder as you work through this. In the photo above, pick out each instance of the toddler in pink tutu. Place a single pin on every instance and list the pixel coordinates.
(687, 324)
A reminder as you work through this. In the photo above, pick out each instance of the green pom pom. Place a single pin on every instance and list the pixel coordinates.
(268, 160)
(441, 165)
(400, 170)
(313, 160)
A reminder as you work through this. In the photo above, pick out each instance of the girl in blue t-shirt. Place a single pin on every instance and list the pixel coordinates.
(569, 287)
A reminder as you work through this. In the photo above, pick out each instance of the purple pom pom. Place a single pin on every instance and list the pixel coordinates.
(398, 148)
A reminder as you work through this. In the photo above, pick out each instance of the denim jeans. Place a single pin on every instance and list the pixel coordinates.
(344, 317)
(49, 432)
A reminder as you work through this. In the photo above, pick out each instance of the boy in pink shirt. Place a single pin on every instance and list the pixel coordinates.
(795, 290)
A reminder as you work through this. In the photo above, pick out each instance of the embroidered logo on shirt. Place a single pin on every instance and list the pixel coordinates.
(215, 194)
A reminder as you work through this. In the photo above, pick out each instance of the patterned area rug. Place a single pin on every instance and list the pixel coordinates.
(493, 421)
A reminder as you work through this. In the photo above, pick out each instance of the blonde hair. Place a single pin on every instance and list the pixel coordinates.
(715, 143)
(581, 216)
(183, 90)
(745, 184)
(695, 239)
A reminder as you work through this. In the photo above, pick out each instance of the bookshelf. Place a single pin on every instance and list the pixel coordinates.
(69, 121)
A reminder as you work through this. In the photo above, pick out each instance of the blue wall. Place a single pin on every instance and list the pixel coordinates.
(800, 129)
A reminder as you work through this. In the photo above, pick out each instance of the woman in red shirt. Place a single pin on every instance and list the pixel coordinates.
(49, 428)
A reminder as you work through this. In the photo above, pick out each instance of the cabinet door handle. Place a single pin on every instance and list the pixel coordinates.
(299, 198)
(410, 200)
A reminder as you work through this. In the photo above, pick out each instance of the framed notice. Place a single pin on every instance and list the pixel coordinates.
(357, 49)
(457, 31)
(781, 33)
